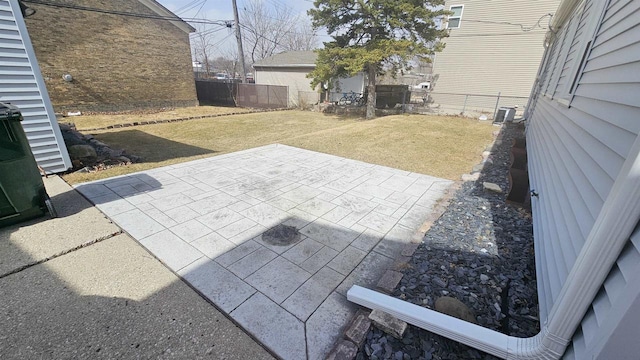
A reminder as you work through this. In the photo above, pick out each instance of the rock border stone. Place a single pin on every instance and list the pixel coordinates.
(355, 334)
(151, 122)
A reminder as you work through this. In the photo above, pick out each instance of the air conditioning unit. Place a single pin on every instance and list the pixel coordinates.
(505, 114)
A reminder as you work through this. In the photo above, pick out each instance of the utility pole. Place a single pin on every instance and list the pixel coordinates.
(239, 38)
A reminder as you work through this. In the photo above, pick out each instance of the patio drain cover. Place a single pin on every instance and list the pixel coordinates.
(282, 235)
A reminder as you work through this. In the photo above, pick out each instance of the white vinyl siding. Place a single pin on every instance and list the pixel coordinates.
(295, 79)
(616, 301)
(575, 155)
(490, 58)
(21, 84)
(571, 45)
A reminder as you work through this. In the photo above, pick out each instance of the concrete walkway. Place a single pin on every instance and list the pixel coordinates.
(205, 220)
(75, 287)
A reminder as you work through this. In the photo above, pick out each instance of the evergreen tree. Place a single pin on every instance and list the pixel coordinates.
(374, 36)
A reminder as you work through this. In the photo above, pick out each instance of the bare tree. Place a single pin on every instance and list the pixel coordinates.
(228, 62)
(203, 46)
(304, 37)
(269, 30)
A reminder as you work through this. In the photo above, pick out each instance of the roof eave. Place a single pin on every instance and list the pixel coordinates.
(161, 10)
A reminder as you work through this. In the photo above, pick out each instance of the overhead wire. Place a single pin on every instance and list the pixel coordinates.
(125, 13)
(522, 26)
(186, 7)
(200, 9)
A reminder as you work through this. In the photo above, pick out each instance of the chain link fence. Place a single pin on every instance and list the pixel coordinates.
(471, 105)
(422, 101)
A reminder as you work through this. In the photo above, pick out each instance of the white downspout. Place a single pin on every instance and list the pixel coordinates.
(611, 231)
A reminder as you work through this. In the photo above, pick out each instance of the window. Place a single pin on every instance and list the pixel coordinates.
(456, 18)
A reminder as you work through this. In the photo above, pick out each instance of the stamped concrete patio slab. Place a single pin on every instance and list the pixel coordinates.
(205, 220)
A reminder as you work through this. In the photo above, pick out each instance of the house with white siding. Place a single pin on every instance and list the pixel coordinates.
(583, 122)
(583, 147)
(494, 47)
(22, 85)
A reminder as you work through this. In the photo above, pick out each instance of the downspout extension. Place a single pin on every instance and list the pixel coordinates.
(610, 233)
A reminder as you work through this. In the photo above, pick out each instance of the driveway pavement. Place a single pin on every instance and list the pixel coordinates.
(206, 220)
(75, 287)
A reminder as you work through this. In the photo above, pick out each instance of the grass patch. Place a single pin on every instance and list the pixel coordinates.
(101, 121)
(439, 146)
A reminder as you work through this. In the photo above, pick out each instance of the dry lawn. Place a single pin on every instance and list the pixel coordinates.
(101, 121)
(439, 146)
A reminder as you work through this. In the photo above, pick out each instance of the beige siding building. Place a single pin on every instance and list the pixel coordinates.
(494, 47)
(290, 69)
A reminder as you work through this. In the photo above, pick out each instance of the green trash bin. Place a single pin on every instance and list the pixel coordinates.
(22, 192)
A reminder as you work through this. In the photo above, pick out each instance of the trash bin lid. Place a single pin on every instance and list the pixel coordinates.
(9, 112)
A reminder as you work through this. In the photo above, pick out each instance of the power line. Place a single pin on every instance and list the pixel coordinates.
(496, 34)
(208, 32)
(260, 35)
(187, 7)
(522, 26)
(200, 9)
(125, 13)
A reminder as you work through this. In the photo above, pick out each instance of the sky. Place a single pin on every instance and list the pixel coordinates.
(223, 10)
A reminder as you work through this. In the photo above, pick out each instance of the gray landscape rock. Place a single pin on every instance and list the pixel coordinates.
(478, 234)
(84, 153)
(492, 187)
(477, 168)
(456, 308)
(470, 177)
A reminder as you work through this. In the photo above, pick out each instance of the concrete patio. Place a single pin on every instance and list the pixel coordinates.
(205, 220)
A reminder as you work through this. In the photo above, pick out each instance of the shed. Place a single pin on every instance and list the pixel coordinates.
(291, 69)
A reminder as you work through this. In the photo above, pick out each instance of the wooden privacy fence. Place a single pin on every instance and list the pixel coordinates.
(262, 96)
(211, 92)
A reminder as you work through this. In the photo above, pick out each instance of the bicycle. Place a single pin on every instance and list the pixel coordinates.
(352, 98)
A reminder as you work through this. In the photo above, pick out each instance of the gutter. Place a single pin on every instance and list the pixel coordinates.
(560, 17)
(563, 13)
(611, 231)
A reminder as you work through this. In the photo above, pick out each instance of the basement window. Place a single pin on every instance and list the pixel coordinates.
(456, 18)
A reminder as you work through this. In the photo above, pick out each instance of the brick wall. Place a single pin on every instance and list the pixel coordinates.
(117, 62)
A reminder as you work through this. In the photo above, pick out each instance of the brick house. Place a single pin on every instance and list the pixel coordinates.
(117, 62)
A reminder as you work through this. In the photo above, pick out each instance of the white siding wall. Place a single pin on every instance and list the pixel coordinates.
(354, 83)
(483, 57)
(583, 124)
(610, 328)
(21, 84)
(295, 79)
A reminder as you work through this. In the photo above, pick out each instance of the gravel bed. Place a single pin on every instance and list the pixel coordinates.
(480, 252)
